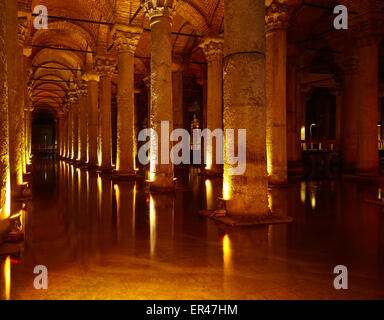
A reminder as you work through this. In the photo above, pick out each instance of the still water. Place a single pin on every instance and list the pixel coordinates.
(106, 240)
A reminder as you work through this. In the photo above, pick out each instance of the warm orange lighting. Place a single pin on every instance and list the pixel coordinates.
(152, 225)
(209, 194)
(7, 277)
(313, 200)
(227, 254)
(303, 191)
(226, 189)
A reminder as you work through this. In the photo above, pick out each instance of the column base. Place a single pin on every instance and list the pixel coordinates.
(212, 173)
(122, 176)
(245, 220)
(156, 187)
(277, 181)
(22, 192)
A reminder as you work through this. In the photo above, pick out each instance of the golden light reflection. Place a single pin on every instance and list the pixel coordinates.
(270, 204)
(209, 194)
(7, 205)
(152, 225)
(7, 277)
(313, 200)
(303, 191)
(226, 188)
(302, 133)
(227, 254)
(117, 196)
(380, 194)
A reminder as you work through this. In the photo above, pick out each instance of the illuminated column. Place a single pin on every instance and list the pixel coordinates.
(105, 66)
(25, 72)
(126, 39)
(83, 122)
(213, 50)
(92, 113)
(367, 120)
(61, 137)
(276, 78)
(73, 127)
(5, 189)
(16, 108)
(293, 123)
(244, 104)
(68, 128)
(160, 14)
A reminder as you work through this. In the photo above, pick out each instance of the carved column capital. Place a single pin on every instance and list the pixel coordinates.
(159, 8)
(126, 37)
(105, 66)
(213, 48)
(73, 97)
(276, 16)
(368, 31)
(82, 89)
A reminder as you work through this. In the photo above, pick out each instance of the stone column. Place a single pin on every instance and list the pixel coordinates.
(126, 39)
(83, 122)
(367, 120)
(5, 189)
(276, 77)
(244, 104)
(15, 109)
(92, 80)
(213, 50)
(68, 127)
(160, 14)
(61, 136)
(293, 115)
(106, 67)
(74, 122)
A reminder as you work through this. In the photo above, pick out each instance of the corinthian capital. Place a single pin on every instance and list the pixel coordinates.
(159, 8)
(126, 37)
(368, 31)
(213, 48)
(105, 66)
(276, 16)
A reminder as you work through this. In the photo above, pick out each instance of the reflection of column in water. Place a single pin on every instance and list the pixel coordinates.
(5, 290)
(161, 218)
(125, 193)
(106, 216)
(209, 194)
(152, 226)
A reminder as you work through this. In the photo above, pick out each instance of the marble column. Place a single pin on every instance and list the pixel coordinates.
(16, 108)
(5, 189)
(160, 14)
(68, 128)
(293, 114)
(349, 113)
(367, 140)
(92, 80)
(245, 105)
(126, 38)
(61, 131)
(106, 67)
(83, 122)
(74, 124)
(276, 78)
(213, 50)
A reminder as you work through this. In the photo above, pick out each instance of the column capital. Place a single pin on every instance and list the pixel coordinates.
(368, 30)
(213, 48)
(159, 8)
(276, 16)
(23, 38)
(82, 89)
(73, 97)
(105, 66)
(126, 37)
(91, 76)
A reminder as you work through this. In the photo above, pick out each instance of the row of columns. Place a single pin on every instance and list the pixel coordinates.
(15, 105)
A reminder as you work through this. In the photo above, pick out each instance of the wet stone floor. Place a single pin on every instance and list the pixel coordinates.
(105, 240)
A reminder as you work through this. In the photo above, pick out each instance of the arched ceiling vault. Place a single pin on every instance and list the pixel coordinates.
(84, 31)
